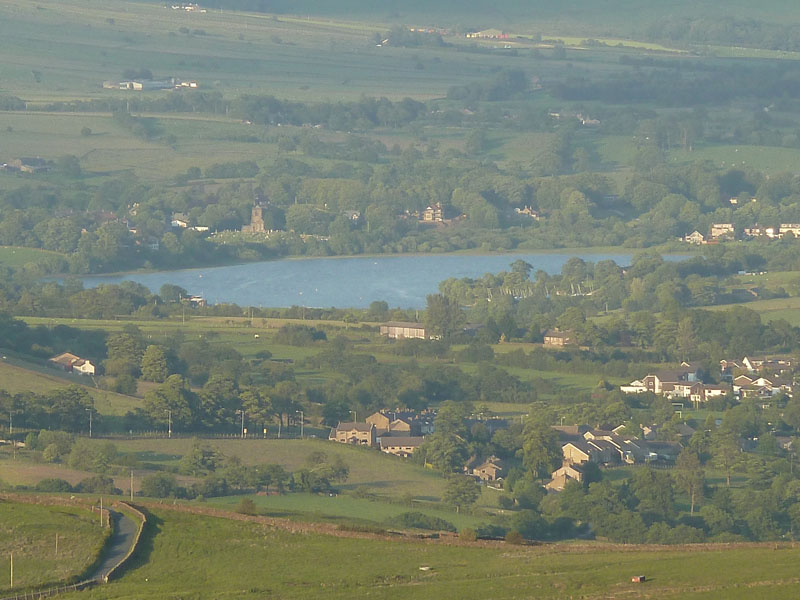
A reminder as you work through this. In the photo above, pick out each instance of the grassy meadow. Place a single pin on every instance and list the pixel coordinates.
(29, 532)
(193, 556)
(18, 256)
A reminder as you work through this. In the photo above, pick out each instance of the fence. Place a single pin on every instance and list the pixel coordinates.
(53, 591)
(82, 585)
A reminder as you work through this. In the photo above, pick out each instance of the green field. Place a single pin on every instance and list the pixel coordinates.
(380, 473)
(15, 256)
(29, 532)
(341, 507)
(20, 376)
(192, 556)
(771, 310)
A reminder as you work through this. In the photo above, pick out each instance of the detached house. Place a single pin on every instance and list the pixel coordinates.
(493, 469)
(359, 434)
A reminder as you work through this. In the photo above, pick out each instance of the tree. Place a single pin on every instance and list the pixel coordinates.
(172, 400)
(171, 293)
(461, 491)
(541, 450)
(160, 485)
(154, 364)
(689, 476)
(725, 452)
(443, 317)
(653, 490)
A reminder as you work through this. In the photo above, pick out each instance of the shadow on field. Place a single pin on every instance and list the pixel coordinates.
(141, 555)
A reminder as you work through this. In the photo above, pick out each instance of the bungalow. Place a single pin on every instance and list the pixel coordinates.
(492, 469)
(401, 446)
(359, 434)
(398, 330)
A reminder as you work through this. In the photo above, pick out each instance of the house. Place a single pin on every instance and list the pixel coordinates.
(493, 469)
(196, 301)
(71, 363)
(402, 329)
(63, 361)
(353, 215)
(488, 34)
(695, 238)
(433, 214)
(793, 228)
(722, 230)
(29, 165)
(179, 221)
(557, 338)
(527, 211)
(401, 423)
(359, 434)
(84, 367)
(562, 476)
(401, 446)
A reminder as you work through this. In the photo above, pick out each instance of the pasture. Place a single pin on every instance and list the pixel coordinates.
(17, 256)
(202, 557)
(380, 473)
(787, 309)
(29, 532)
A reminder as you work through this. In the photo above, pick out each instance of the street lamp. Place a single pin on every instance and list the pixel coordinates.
(169, 422)
(302, 420)
(241, 412)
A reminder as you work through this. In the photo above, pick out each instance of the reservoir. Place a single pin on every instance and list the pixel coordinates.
(349, 282)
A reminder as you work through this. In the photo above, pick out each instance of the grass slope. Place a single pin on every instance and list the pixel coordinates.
(23, 376)
(29, 531)
(191, 556)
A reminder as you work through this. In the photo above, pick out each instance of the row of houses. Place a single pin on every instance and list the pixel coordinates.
(686, 383)
(582, 445)
(727, 231)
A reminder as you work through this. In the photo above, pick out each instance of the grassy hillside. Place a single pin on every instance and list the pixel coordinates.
(23, 376)
(29, 531)
(588, 15)
(208, 557)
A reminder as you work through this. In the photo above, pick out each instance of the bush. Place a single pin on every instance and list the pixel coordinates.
(247, 507)
(467, 534)
(418, 520)
(97, 485)
(53, 485)
(514, 537)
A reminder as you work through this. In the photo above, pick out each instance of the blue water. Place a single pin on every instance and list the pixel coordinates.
(402, 281)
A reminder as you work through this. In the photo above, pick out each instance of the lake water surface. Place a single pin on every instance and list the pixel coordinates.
(353, 282)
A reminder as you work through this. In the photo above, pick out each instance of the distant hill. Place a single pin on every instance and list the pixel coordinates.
(587, 16)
